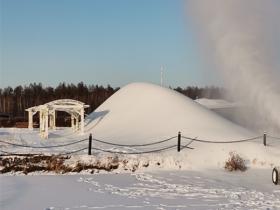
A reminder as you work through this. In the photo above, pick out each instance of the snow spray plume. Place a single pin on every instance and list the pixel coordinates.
(243, 38)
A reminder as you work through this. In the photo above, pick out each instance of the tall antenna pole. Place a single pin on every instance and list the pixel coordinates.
(161, 75)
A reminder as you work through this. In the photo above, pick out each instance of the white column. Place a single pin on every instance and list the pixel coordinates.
(30, 120)
(46, 125)
(76, 123)
(41, 120)
(72, 122)
(82, 120)
(50, 121)
(42, 123)
(54, 120)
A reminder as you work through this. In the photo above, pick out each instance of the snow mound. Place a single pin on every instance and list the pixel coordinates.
(142, 112)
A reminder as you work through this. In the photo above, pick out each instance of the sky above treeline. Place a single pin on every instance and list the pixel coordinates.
(99, 42)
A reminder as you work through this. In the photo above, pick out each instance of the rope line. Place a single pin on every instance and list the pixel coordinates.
(20, 154)
(72, 152)
(133, 145)
(273, 137)
(16, 154)
(135, 153)
(129, 145)
(43, 147)
(187, 146)
(221, 142)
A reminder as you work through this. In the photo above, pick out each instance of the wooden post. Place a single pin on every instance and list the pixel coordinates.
(179, 142)
(264, 139)
(89, 144)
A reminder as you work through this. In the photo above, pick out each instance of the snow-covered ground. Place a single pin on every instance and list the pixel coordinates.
(209, 189)
(144, 113)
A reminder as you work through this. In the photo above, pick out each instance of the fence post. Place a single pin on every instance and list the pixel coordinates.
(179, 142)
(264, 138)
(89, 144)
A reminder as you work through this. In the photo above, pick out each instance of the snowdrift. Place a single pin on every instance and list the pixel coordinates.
(141, 113)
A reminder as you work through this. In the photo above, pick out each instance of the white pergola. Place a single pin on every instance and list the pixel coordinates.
(47, 115)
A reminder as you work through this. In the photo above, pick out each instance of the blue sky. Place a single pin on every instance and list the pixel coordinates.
(98, 42)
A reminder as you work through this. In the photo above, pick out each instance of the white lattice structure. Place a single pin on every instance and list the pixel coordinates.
(47, 115)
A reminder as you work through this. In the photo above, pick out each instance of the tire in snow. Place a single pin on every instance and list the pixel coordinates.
(275, 176)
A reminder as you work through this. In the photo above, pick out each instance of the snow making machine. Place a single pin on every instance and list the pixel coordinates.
(276, 175)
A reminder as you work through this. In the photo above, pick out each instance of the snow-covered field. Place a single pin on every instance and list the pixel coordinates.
(139, 114)
(211, 189)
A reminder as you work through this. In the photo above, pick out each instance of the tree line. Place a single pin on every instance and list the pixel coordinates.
(14, 101)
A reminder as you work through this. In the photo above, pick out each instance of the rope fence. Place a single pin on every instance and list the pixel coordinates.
(43, 147)
(73, 152)
(134, 153)
(134, 145)
(273, 137)
(23, 154)
(90, 140)
(222, 142)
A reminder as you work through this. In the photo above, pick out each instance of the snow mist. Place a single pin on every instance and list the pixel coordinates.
(242, 39)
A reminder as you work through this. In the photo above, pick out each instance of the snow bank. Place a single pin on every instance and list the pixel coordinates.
(141, 112)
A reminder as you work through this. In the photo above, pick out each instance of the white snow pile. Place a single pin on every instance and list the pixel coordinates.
(141, 112)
